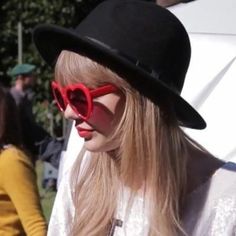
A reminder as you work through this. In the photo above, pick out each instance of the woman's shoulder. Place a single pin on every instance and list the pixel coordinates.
(214, 202)
(227, 172)
(226, 176)
(221, 184)
(11, 154)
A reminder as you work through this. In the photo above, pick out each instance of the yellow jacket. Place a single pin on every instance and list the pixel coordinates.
(20, 209)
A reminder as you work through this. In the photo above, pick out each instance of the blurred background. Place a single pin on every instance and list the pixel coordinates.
(17, 20)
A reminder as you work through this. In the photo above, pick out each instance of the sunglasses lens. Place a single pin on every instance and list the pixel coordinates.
(78, 101)
(59, 99)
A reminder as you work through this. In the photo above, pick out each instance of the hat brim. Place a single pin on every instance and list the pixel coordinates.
(50, 40)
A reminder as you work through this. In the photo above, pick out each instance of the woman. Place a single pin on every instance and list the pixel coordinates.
(20, 209)
(119, 76)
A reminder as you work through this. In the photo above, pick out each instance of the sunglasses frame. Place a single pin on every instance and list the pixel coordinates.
(90, 94)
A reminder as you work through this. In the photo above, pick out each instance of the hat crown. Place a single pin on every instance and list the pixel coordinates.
(147, 33)
(142, 42)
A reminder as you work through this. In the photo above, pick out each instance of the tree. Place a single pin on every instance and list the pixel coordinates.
(66, 13)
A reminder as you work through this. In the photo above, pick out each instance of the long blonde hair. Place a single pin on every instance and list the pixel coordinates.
(152, 156)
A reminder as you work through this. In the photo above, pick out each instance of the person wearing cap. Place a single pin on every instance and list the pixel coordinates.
(22, 90)
(23, 80)
(119, 75)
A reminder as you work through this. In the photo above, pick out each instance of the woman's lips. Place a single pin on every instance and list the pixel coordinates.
(84, 133)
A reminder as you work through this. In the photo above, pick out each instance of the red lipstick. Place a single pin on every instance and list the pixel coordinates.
(84, 133)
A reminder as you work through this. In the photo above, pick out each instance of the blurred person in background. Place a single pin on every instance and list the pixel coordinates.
(22, 91)
(20, 209)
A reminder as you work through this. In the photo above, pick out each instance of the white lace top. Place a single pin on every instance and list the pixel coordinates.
(210, 210)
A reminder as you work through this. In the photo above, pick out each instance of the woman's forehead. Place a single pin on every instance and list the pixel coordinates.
(88, 78)
(88, 81)
(73, 68)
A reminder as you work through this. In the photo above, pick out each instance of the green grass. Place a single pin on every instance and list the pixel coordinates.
(47, 196)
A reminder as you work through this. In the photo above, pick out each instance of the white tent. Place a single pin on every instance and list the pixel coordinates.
(211, 80)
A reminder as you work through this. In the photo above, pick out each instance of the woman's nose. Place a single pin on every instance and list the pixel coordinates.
(70, 114)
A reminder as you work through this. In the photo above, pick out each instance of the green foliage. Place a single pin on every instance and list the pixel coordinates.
(66, 13)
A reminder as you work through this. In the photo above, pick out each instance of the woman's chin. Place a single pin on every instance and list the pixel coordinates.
(94, 144)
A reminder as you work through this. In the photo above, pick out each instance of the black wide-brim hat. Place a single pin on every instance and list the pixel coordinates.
(142, 42)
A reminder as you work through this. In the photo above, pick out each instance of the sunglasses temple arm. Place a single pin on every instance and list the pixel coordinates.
(103, 90)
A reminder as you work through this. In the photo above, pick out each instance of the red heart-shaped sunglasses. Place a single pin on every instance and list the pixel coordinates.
(79, 97)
